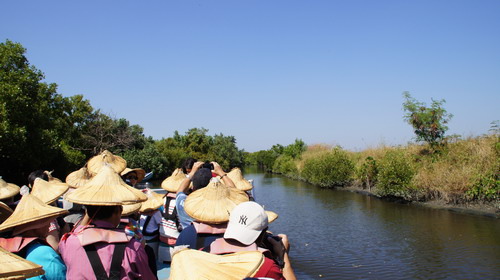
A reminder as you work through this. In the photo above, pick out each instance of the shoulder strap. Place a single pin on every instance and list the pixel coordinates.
(116, 262)
(171, 216)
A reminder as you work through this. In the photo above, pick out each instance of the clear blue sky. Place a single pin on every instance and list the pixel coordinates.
(269, 72)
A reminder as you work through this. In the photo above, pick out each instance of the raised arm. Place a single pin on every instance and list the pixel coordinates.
(225, 179)
(184, 186)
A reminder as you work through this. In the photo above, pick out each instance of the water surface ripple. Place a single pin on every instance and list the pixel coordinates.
(343, 235)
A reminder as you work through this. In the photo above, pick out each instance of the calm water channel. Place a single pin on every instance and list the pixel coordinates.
(343, 235)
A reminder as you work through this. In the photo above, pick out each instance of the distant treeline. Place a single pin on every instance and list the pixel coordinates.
(41, 129)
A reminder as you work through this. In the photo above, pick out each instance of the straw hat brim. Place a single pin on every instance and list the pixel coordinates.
(78, 178)
(48, 192)
(107, 189)
(172, 183)
(155, 201)
(131, 209)
(8, 190)
(271, 216)
(14, 267)
(30, 209)
(213, 203)
(5, 211)
(189, 264)
(138, 171)
(95, 164)
(237, 177)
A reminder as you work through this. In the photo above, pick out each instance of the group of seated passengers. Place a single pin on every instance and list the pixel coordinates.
(115, 238)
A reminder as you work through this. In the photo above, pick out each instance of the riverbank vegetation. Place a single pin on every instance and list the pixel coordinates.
(42, 129)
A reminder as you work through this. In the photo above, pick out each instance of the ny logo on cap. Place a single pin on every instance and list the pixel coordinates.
(243, 220)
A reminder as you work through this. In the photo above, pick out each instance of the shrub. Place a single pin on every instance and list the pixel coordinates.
(395, 175)
(367, 173)
(330, 169)
(285, 164)
(486, 187)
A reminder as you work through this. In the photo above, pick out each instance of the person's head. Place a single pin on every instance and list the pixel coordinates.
(109, 214)
(201, 178)
(130, 178)
(37, 174)
(247, 222)
(188, 165)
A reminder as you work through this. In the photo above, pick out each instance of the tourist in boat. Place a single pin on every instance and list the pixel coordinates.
(27, 229)
(199, 177)
(209, 208)
(49, 193)
(170, 225)
(247, 227)
(98, 249)
(187, 165)
(133, 176)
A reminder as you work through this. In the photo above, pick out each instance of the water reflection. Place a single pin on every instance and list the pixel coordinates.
(343, 235)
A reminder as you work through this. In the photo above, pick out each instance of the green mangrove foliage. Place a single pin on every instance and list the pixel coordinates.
(429, 123)
(333, 168)
(41, 129)
(395, 174)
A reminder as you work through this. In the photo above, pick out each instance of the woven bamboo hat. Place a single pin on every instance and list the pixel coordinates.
(48, 192)
(5, 211)
(213, 203)
(189, 264)
(106, 188)
(155, 201)
(14, 267)
(7, 189)
(106, 158)
(78, 178)
(172, 183)
(31, 209)
(271, 216)
(131, 209)
(52, 178)
(139, 171)
(240, 182)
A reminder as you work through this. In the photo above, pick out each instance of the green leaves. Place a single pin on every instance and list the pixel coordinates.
(429, 123)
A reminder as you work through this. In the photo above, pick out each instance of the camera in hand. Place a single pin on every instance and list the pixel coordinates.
(278, 256)
(208, 165)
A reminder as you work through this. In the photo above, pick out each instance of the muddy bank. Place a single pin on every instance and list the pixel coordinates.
(481, 209)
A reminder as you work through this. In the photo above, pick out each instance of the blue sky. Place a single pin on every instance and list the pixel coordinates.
(269, 72)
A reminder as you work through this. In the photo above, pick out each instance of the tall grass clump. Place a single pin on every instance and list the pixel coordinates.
(395, 174)
(328, 169)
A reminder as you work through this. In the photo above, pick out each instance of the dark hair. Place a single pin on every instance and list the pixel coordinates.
(100, 212)
(188, 164)
(37, 174)
(201, 178)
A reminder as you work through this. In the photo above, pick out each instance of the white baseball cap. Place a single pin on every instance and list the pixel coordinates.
(246, 222)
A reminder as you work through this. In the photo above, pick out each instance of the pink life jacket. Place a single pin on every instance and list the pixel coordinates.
(16, 244)
(209, 229)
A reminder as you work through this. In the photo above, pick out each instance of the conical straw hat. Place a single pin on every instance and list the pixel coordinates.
(155, 201)
(7, 189)
(5, 211)
(106, 188)
(78, 178)
(14, 267)
(116, 162)
(52, 178)
(48, 192)
(30, 209)
(213, 203)
(172, 183)
(189, 264)
(240, 182)
(271, 216)
(139, 171)
(131, 209)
